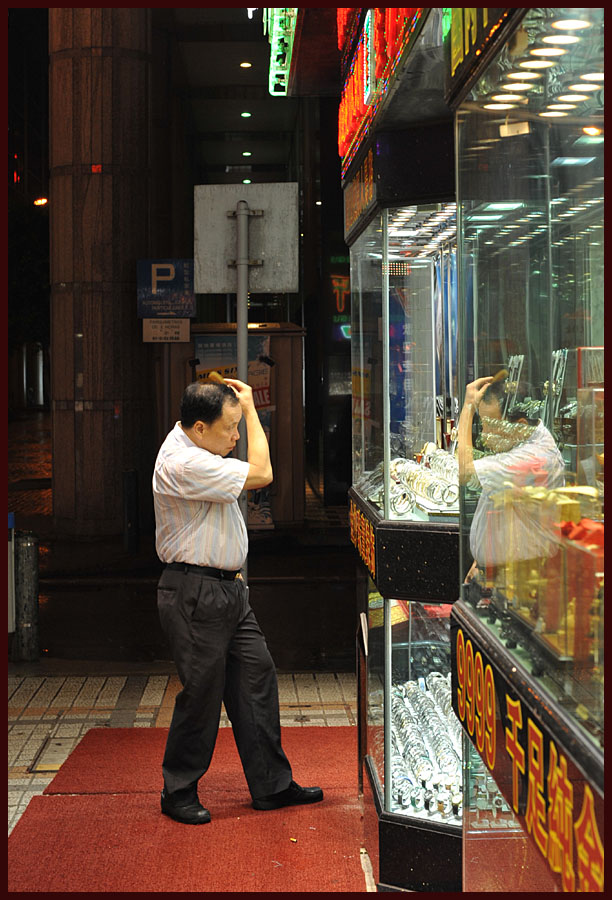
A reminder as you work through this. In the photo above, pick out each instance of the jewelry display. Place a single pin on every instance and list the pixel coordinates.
(426, 759)
(431, 484)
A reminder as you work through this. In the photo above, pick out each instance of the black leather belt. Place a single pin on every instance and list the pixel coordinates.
(221, 574)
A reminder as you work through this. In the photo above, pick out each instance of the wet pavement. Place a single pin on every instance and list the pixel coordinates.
(97, 601)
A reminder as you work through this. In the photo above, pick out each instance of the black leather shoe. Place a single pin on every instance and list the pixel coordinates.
(190, 813)
(291, 796)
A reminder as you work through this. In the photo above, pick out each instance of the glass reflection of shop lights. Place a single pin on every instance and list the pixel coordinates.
(584, 86)
(537, 63)
(522, 76)
(560, 38)
(518, 86)
(547, 51)
(570, 24)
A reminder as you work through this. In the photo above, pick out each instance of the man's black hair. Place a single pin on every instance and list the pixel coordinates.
(521, 406)
(204, 403)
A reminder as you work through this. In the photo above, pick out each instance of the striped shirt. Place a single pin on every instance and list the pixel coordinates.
(197, 516)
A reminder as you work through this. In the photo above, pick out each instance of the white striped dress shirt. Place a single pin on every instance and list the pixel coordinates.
(197, 516)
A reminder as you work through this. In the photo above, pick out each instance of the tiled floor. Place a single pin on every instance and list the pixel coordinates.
(49, 711)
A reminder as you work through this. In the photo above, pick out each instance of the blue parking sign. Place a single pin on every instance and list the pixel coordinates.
(165, 288)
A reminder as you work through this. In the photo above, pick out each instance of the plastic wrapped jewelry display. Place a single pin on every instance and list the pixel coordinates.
(426, 760)
(439, 488)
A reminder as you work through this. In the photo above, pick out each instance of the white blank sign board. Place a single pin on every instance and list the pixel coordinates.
(273, 238)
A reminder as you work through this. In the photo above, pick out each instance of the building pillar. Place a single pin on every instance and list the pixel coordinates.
(102, 394)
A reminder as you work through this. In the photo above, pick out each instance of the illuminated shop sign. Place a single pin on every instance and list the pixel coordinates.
(359, 193)
(279, 24)
(467, 33)
(557, 807)
(385, 36)
(363, 537)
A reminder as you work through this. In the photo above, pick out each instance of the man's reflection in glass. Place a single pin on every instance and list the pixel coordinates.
(520, 451)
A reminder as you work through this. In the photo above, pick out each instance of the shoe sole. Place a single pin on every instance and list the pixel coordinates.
(262, 804)
(202, 820)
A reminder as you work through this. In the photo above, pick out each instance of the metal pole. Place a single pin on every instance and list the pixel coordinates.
(25, 641)
(242, 320)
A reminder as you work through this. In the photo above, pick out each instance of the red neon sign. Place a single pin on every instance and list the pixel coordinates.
(391, 33)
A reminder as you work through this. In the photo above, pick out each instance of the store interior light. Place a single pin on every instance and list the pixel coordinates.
(572, 160)
(499, 106)
(552, 114)
(592, 130)
(592, 76)
(245, 65)
(41, 201)
(246, 153)
(561, 106)
(517, 86)
(521, 76)
(505, 98)
(246, 180)
(537, 63)
(560, 39)
(569, 97)
(514, 204)
(245, 115)
(570, 24)
(584, 86)
(548, 51)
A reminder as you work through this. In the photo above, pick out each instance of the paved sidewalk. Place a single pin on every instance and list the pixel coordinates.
(53, 703)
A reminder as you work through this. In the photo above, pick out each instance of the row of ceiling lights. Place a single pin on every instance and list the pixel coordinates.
(523, 80)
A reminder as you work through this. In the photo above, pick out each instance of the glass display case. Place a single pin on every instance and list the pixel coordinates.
(405, 481)
(497, 851)
(530, 437)
(413, 742)
(404, 301)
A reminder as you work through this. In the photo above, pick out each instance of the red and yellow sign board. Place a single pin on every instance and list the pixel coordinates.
(557, 807)
(363, 537)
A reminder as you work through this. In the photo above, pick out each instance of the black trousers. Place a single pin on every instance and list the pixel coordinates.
(221, 656)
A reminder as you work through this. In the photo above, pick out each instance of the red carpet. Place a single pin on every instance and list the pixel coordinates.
(128, 760)
(98, 827)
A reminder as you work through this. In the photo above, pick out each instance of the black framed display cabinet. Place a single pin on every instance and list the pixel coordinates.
(409, 744)
(400, 226)
(527, 634)
(404, 524)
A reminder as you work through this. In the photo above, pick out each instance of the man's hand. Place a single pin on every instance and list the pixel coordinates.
(243, 391)
(475, 391)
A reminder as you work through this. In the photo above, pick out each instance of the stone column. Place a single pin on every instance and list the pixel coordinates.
(101, 372)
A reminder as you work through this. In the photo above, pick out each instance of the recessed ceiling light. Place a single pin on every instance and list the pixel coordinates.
(245, 65)
(560, 39)
(570, 97)
(537, 63)
(551, 113)
(506, 97)
(504, 205)
(592, 130)
(245, 115)
(570, 24)
(517, 86)
(561, 106)
(593, 76)
(548, 51)
(246, 180)
(246, 153)
(584, 86)
(499, 106)
(519, 76)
